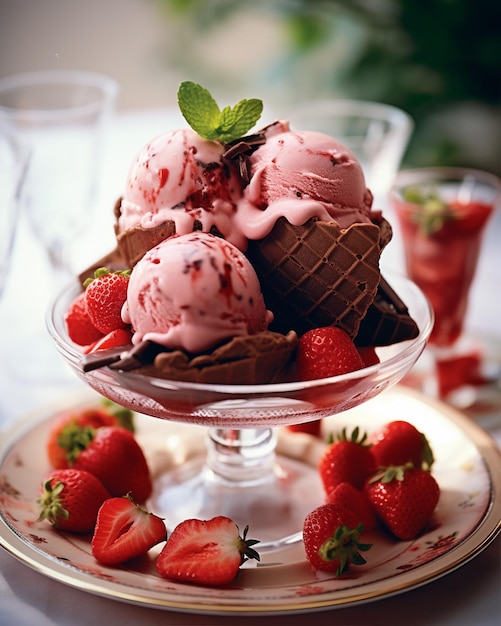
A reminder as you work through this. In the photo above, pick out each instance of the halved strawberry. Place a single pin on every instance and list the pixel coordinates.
(114, 339)
(124, 531)
(205, 552)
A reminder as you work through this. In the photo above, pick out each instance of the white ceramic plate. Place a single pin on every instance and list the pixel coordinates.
(467, 519)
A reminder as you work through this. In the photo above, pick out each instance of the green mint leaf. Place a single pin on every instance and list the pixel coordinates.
(199, 109)
(235, 122)
(202, 113)
(434, 214)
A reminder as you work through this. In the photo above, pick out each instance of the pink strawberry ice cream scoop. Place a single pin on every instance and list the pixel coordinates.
(192, 292)
(181, 177)
(300, 175)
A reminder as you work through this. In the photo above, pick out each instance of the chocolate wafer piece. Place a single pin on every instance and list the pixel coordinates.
(387, 321)
(135, 242)
(246, 360)
(318, 274)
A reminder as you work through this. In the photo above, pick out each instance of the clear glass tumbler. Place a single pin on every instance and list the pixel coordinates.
(442, 214)
(59, 118)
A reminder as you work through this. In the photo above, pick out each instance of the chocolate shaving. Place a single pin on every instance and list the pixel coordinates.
(240, 150)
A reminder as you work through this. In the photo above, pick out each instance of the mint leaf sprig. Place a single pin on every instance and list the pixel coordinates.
(435, 212)
(204, 116)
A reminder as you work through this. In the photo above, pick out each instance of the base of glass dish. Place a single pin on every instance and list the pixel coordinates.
(250, 483)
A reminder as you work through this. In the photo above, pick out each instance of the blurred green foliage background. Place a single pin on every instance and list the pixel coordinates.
(437, 59)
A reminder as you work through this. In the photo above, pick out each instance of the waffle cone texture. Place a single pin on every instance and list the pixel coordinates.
(249, 359)
(318, 274)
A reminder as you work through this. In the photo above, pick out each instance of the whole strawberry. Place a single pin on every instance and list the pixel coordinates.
(125, 531)
(404, 499)
(356, 501)
(113, 455)
(205, 552)
(399, 443)
(68, 430)
(79, 325)
(327, 351)
(331, 536)
(70, 500)
(105, 294)
(347, 459)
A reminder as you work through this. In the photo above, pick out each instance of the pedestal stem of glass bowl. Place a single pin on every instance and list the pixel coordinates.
(241, 457)
(242, 477)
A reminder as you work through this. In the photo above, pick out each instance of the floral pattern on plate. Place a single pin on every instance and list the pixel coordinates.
(467, 468)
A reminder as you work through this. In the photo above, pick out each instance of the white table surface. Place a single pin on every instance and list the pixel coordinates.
(32, 376)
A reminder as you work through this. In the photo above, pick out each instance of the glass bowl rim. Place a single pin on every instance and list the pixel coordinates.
(73, 355)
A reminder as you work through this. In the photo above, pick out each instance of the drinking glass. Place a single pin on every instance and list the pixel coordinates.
(13, 163)
(376, 133)
(58, 117)
(442, 214)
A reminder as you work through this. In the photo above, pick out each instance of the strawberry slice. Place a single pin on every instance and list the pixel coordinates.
(205, 552)
(124, 531)
(114, 339)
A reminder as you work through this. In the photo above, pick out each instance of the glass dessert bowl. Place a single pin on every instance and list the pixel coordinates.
(240, 473)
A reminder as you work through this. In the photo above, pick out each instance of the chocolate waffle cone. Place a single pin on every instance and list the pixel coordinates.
(247, 360)
(387, 321)
(319, 274)
(134, 243)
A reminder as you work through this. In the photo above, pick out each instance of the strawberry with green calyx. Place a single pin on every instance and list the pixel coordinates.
(70, 500)
(347, 459)
(79, 325)
(398, 443)
(202, 113)
(206, 552)
(404, 499)
(105, 295)
(331, 536)
(115, 457)
(73, 430)
(125, 531)
(327, 351)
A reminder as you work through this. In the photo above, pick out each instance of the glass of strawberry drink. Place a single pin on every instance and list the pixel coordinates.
(238, 472)
(443, 214)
